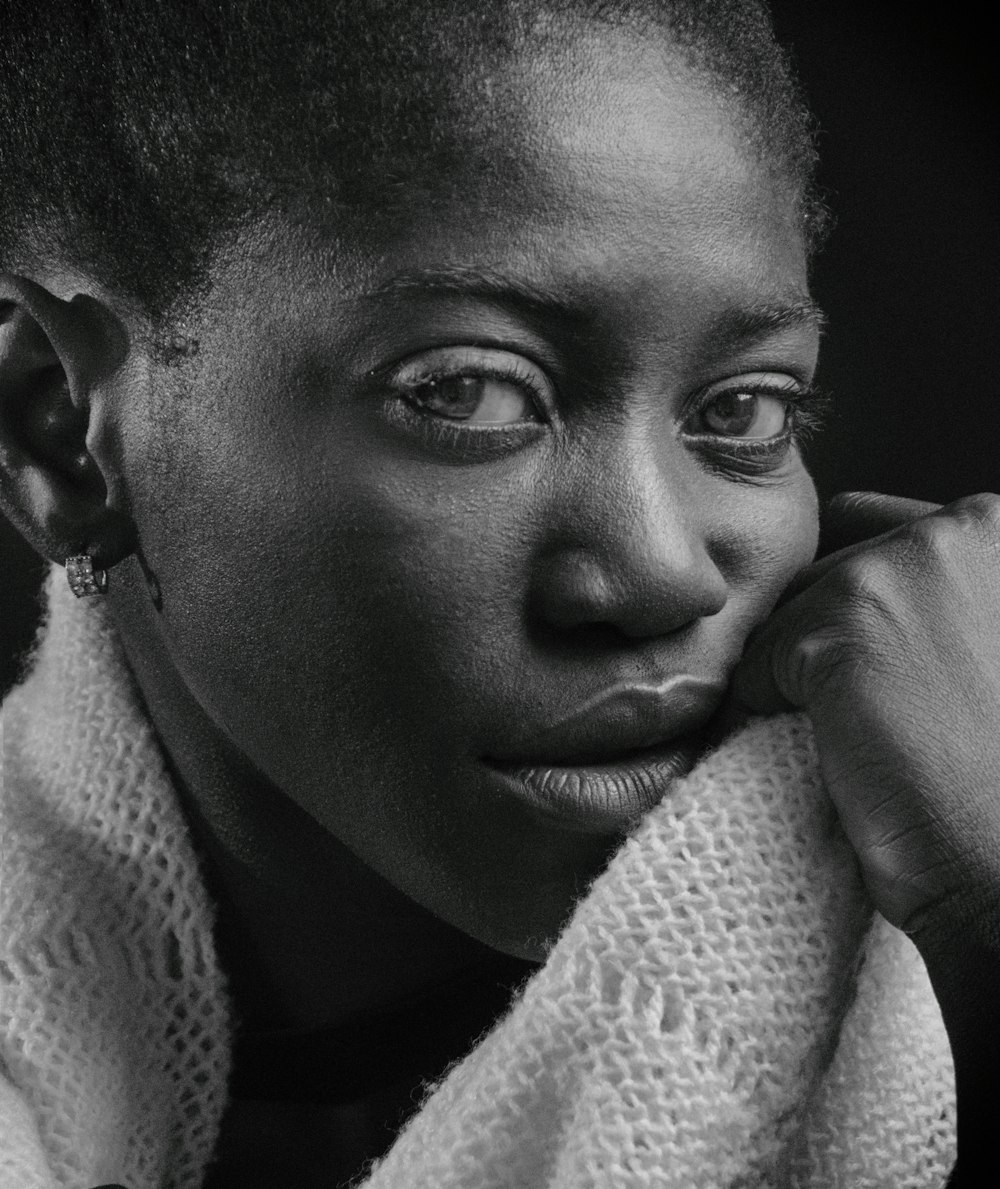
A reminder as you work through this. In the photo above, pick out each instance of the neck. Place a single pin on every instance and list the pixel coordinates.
(309, 936)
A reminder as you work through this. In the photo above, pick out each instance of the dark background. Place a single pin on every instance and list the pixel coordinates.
(906, 98)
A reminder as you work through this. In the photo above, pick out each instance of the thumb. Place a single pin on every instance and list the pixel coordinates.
(854, 516)
(785, 661)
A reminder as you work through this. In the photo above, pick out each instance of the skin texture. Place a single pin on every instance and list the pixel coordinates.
(350, 608)
(337, 607)
(890, 645)
(413, 603)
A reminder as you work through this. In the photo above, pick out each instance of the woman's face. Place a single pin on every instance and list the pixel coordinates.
(502, 488)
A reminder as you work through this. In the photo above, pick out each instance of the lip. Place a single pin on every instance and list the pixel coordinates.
(600, 767)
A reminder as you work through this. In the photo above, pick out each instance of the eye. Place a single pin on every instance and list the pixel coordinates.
(475, 386)
(479, 400)
(754, 409)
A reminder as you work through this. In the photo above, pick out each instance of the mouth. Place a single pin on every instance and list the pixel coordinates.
(607, 796)
(601, 768)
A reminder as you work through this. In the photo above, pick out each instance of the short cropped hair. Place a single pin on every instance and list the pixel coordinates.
(133, 133)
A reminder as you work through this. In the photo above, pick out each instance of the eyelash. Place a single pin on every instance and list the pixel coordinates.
(806, 412)
(509, 373)
(750, 458)
(806, 406)
(456, 440)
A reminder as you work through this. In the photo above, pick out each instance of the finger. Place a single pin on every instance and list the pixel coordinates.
(779, 661)
(852, 523)
(854, 516)
(772, 676)
(811, 574)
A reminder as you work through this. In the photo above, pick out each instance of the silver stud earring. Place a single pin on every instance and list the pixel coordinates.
(83, 579)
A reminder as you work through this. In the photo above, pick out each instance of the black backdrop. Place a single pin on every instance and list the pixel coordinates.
(906, 98)
(907, 102)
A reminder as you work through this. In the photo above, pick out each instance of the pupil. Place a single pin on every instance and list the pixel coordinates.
(733, 412)
(456, 396)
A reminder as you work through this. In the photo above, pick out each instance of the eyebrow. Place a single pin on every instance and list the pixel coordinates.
(483, 283)
(735, 326)
(743, 324)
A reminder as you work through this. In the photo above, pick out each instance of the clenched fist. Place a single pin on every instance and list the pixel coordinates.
(891, 645)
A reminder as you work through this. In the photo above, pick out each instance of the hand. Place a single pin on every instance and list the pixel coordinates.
(891, 645)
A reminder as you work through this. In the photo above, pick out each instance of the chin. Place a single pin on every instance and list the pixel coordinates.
(524, 918)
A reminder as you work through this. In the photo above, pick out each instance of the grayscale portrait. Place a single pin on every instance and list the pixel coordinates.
(501, 595)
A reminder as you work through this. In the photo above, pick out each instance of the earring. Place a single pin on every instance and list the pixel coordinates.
(83, 579)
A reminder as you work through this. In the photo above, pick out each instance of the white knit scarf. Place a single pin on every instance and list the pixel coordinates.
(719, 1012)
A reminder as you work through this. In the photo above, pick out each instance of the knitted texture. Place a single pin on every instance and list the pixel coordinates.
(113, 1019)
(703, 1020)
(718, 1012)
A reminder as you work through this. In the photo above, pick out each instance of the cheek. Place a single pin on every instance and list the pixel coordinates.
(333, 613)
(767, 535)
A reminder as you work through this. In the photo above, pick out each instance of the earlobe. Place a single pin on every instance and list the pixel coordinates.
(55, 355)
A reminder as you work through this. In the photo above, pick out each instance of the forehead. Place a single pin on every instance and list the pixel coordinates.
(602, 170)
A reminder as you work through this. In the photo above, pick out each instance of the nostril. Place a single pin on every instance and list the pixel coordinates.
(629, 598)
(570, 592)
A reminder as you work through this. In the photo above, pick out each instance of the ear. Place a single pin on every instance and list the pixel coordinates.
(58, 483)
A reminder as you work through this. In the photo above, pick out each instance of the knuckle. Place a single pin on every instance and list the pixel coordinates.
(834, 661)
(811, 661)
(823, 652)
(982, 508)
(929, 544)
(869, 609)
(870, 579)
(980, 511)
(941, 540)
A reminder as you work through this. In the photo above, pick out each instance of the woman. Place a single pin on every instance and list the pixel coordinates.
(430, 383)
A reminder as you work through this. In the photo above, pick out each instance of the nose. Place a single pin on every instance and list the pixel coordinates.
(629, 548)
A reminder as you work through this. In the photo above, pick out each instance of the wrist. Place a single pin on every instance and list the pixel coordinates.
(960, 946)
(959, 941)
